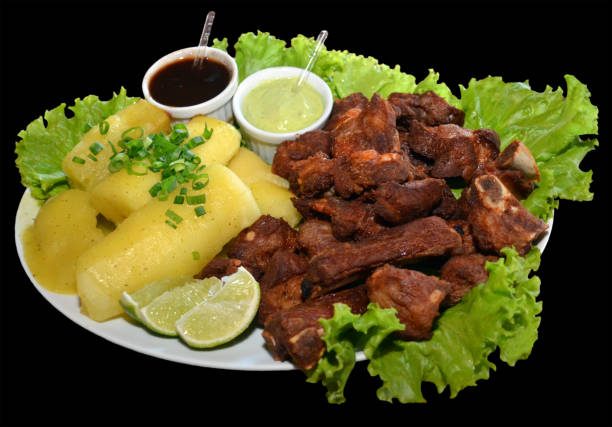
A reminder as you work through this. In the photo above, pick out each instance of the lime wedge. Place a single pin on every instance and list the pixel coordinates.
(224, 316)
(132, 303)
(161, 314)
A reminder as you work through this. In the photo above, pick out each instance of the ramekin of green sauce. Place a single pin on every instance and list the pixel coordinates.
(270, 109)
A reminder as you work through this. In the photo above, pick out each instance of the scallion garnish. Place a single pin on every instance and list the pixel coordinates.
(103, 127)
(174, 216)
(95, 148)
(166, 154)
(92, 157)
(171, 224)
(196, 200)
(199, 211)
(207, 132)
(127, 131)
(196, 255)
(77, 159)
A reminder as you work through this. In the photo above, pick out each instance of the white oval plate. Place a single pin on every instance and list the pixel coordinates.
(247, 353)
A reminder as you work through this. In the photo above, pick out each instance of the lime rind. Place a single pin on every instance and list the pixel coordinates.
(223, 317)
(161, 314)
(133, 302)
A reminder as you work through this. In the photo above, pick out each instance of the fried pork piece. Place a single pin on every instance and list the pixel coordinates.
(305, 146)
(464, 272)
(296, 332)
(497, 219)
(255, 245)
(219, 267)
(428, 108)
(281, 285)
(420, 239)
(516, 169)
(400, 203)
(462, 227)
(366, 169)
(345, 108)
(363, 126)
(315, 236)
(313, 176)
(456, 151)
(349, 218)
(414, 295)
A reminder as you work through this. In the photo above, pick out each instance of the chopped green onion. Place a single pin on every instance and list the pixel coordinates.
(92, 157)
(140, 128)
(118, 161)
(195, 141)
(77, 159)
(112, 147)
(196, 255)
(174, 216)
(196, 200)
(104, 126)
(179, 200)
(183, 191)
(207, 132)
(171, 224)
(95, 148)
(131, 171)
(154, 191)
(199, 211)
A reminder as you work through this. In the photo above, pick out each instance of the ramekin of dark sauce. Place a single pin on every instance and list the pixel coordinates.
(176, 84)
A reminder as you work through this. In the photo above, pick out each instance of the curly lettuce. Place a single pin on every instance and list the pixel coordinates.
(45, 142)
(501, 313)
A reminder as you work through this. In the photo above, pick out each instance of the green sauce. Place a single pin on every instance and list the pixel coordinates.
(273, 106)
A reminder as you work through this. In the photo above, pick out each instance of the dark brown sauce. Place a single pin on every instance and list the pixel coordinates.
(180, 83)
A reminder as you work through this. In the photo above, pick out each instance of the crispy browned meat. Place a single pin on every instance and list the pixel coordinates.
(516, 169)
(367, 169)
(305, 146)
(315, 236)
(364, 126)
(464, 272)
(280, 297)
(281, 285)
(400, 203)
(345, 108)
(296, 332)
(420, 239)
(456, 151)
(349, 218)
(255, 245)
(313, 176)
(414, 295)
(462, 227)
(428, 108)
(497, 219)
(219, 267)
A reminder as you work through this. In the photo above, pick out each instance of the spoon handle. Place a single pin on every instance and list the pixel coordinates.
(210, 17)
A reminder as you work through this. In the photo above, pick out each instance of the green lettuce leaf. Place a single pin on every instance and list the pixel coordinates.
(344, 72)
(44, 143)
(501, 313)
(549, 123)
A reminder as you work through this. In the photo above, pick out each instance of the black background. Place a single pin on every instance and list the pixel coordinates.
(56, 373)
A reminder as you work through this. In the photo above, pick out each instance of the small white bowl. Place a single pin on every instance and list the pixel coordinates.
(265, 143)
(219, 107)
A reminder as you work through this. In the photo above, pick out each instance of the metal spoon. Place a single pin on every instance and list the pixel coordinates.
(201, 55)
(313, 58)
